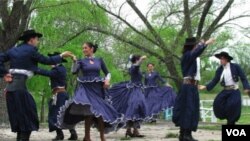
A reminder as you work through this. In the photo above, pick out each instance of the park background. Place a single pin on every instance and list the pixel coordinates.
(156, 28)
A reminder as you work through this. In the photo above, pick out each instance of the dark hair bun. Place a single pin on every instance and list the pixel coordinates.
(91, 45)
(95, 45)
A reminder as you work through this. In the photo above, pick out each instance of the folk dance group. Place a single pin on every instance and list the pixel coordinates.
(129, 106)
(130, 102)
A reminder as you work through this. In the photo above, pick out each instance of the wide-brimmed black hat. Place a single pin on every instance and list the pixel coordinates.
(29, 33)
(224, 54)
(190, 41)
(57, 53)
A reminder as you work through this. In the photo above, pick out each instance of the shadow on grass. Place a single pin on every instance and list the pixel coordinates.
(210, 127)
(171, 135)
(125, 138)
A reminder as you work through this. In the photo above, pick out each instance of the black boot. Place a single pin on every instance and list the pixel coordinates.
(181, 134)
(25, 136)
(188, 136)
(59, 135)
(28, 136)
(230, 123)
(73, 135)
(18, 136)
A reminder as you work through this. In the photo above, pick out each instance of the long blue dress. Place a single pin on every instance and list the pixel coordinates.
(89, 98)
(158, 98)
(128, 97)
(187, 104)
(20, 103)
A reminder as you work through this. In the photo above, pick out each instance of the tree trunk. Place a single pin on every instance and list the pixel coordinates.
(173, 71)
(3, 112)
(14, 21)
(42, 112)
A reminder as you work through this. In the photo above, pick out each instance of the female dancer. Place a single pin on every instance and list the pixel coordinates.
(88, 103)
(158, 98)
(128, 98)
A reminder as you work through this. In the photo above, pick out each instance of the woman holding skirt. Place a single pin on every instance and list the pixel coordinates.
(158, 98)
(89, 102)
(128, 98)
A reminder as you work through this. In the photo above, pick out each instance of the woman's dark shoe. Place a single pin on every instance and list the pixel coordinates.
(58, 138)
(85, 139)
(73, 135)
(59, 135)
(137, 134)
(129, 133)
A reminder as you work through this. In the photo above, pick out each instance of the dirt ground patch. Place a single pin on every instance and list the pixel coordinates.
(153, 132)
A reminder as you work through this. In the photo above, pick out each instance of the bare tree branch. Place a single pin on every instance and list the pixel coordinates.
(72, 38)
(211, 28)
(203, 17)
(126, 22)
(148, 25)
(167, 16)
(15, 21)
(231, 19)
(116, 36)
(187, 19)
(242, 28)
(169, 60)
(177, 38)
(119, 11)
(182, 30)
(15, 15)
(247, 36)
(196, 6)
(54, 5)
(29, 3)
(4, 12)
(170, 77)
(151, 7)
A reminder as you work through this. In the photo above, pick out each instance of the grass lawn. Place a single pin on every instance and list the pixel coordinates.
(206, 96)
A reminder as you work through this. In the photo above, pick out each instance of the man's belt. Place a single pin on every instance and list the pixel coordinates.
(58, 90)
(18, 83)
(232, 87)
(21, 71)
(55, 92)
(190, 80)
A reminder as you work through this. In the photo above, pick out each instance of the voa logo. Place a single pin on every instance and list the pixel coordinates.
(236, 132)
